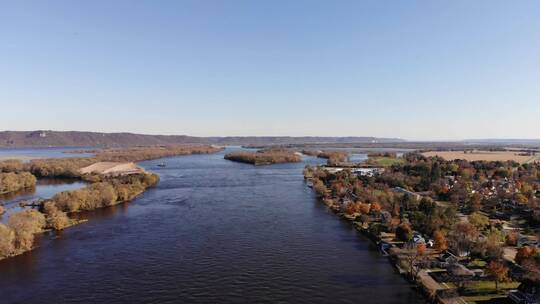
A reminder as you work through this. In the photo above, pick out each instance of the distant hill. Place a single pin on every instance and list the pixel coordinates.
(508, 141)
(43, 138)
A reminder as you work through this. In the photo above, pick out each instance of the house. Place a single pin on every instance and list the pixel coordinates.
(413, 194)
(367, 171)
(459, 270)
(418, 239)
(446, 259)
(527, 293)
(530, 241)
(385, 216)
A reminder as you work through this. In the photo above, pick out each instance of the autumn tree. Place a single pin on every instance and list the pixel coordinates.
(363, 208)
(375, 206)
(478, 220)
(55, 218)
(7, 240)
(404, 232)
(512, 238)
(440, 241)
(475, 203)
(25, 224)
(524, 253)
(414, 256)
(498, 272)
(320, 188)
(10, 182)
(462, 237)
(521, 199)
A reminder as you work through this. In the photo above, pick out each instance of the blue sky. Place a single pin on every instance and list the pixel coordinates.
(409, 69)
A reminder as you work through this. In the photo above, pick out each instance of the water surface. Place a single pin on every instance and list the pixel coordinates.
(212, 231)
(31, 153)
(45, 188)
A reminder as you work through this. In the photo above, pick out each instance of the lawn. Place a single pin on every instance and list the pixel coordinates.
(487, 288)
(477, 263)
(385, 161)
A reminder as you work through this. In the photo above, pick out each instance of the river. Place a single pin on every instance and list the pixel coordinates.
(44, 189)
(32, 153)
(212, 231)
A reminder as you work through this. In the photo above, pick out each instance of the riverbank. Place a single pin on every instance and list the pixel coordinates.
(384, 242)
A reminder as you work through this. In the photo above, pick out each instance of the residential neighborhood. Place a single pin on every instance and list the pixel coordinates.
(464, 232)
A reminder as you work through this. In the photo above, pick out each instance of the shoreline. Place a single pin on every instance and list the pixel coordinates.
(418, 285)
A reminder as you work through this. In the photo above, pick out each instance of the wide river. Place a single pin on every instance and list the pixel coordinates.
(212, 231)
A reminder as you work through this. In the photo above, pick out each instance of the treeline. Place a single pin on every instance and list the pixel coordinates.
(10, 182)
(104, 192)
(383, 154)
(333, 157)
(265, 157)
(147, 153)
(69, 167)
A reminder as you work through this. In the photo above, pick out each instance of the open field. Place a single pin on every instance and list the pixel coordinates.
(385, 161)
(484, 155)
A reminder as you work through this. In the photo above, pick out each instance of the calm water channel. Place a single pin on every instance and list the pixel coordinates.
(212, 231)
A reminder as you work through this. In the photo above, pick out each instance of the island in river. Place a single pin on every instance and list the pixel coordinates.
(264, 157)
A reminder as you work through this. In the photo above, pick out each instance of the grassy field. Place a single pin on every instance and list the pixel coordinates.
(486, 287)
(385, 161)
(484, 292)
(483, 155)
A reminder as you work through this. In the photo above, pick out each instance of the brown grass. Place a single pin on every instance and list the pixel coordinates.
(483, 155)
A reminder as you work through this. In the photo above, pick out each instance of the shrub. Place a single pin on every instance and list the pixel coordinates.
(404, 232)
(108, 192)
(319, 187)
(11, 165)
(25, 224)
(56, 219)
(7, 240)
(10, 182)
